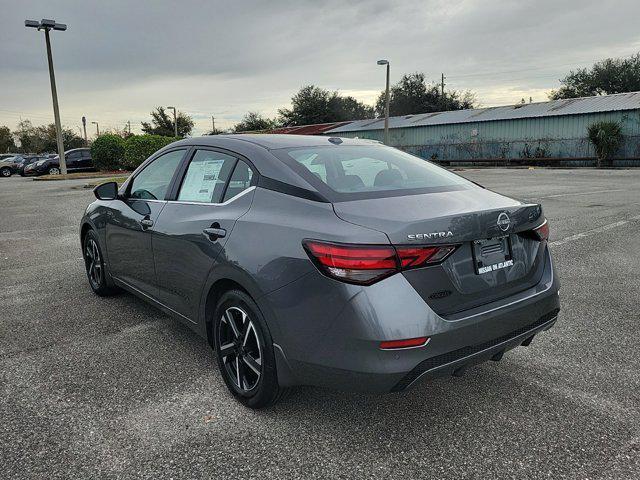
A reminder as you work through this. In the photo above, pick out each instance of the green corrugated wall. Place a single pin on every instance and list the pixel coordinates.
(560, 137)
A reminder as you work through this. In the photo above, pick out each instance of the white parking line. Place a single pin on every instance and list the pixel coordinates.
(595, 231)
(582, 193)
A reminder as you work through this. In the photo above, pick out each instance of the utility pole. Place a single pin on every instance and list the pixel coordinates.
(386, 103)
(84, 127)
(175, 121)
(46, 25)
(129, 126)
(213, 125)
(442, 86)
(97, 128)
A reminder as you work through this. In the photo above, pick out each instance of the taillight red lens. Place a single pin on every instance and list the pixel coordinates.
(366, 264)
(542, 232)
(408, 343)
(413, 257)
(360, 264)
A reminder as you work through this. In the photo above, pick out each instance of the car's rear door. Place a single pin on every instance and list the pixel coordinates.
(131, 221)
(193, 227)
(72, 160)
(85, 160)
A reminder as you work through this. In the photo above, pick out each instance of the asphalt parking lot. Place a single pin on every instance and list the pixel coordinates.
(94, 387)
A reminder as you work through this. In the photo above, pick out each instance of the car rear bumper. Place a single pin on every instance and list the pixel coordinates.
(333, 339)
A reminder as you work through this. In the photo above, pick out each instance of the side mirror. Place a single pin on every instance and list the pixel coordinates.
(106, 191)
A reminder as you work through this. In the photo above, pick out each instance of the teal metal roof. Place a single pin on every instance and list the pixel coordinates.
(572, 106)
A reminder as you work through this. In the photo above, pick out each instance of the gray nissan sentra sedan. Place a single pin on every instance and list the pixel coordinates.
(308, 260)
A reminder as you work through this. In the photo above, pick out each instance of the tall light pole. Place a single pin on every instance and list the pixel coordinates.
(175, 121)
(84, 127)
(97, 128)
(386, 104)
(46, 25)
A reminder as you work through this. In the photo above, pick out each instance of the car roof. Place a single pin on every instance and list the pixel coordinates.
(276, 141)
(256, 148)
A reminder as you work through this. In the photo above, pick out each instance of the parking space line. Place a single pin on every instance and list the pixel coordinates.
(595, 231)
(582, 193)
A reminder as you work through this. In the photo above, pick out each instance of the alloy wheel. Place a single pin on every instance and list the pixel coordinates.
(94, 263)
(240, 349)
(54, 171)
(5, 172)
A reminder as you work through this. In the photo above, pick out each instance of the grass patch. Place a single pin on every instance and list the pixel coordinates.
(80, 175)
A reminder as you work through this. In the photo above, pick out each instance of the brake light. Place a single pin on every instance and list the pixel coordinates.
(414, 257)
(408, 343)
(366, 264)
(542, 232)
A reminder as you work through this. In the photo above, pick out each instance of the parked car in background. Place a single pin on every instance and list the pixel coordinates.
(77, 159)
(7, 166)
(22, 162)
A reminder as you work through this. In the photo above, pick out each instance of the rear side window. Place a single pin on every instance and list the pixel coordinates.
(206, 177)
(241, 179)
(153, 182)
(346, 172)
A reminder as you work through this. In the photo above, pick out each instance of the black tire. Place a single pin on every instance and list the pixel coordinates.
(238, 362)
(99, 278)
(5, 172)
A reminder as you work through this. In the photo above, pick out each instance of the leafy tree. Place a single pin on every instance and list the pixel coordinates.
(138, 148)
(6, 140)
(43, 138)
(606, 138)
(316, 105)
(26, 136)
(412, 94)
(107, 152)
(612, 75)
(162, 124)
(254, 121)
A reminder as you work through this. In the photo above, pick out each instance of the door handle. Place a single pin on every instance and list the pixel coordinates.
(214, 232)
(146, 223)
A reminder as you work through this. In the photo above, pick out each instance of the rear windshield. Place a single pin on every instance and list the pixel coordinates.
(349, 172)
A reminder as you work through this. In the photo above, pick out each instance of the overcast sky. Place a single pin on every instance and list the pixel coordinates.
(120, 59)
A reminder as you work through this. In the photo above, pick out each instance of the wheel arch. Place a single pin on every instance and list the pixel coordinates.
(227, 278)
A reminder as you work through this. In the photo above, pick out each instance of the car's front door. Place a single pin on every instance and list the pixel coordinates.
(131, 223)
(192, 230)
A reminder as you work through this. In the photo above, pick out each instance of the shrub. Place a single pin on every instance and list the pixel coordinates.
(140, 147)
(107, 152)
(606, 138)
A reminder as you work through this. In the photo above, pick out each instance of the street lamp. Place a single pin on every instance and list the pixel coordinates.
(97, 128)
(386, 104)
(46, 25)
(175, 121)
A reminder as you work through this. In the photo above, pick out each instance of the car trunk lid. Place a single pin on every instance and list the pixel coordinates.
(496, 256)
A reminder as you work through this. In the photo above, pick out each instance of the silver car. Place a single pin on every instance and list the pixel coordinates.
(307, 260)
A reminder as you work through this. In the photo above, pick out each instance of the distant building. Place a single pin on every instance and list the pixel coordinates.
(552, 132)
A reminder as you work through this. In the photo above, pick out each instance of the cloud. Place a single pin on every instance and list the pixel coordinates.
(120, 59)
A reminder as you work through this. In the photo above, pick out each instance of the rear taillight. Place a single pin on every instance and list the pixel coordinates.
(414, 257)
(366, 264)
(542, 232)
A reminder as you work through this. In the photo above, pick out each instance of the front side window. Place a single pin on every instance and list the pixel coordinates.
(206, 177)
(241, 179)
(153, 182)
(368, 171)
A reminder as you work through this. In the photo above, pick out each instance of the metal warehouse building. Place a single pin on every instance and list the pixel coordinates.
(552, 132)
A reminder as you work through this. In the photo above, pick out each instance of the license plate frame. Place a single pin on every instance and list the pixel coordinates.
(492, 254)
